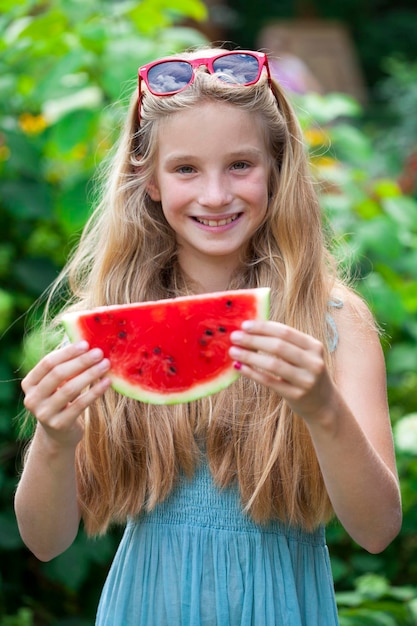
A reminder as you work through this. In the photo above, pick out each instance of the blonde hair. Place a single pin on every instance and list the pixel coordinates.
(132, 453)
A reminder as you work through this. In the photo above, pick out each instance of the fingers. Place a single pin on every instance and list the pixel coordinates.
(270, 345)
(65, 382)
(278, 356)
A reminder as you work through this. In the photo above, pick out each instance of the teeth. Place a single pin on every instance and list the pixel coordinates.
(217, 222)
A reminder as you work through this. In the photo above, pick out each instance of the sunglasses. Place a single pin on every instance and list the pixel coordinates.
(170, 76)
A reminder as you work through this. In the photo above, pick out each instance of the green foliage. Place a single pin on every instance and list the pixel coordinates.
(374, 602)
(67, 68)
(373, 214)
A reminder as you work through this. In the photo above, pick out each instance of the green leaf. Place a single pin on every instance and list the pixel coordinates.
(351, 144)
(28, 200)
(403, 210)
(379, 237)
(386, 303)
(73, 129)
(87, 98)
(402, 357)
(325, 109)
(72, 207)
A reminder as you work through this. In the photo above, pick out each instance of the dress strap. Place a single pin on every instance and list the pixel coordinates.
(332, 332)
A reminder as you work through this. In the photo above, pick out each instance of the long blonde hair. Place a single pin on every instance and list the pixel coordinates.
(132, 453)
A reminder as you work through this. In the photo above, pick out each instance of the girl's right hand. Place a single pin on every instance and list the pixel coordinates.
(61, 386)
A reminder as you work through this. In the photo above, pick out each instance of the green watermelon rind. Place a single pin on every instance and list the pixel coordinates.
(220, 382)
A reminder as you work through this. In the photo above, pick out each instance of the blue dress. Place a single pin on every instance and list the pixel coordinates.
(196, 560)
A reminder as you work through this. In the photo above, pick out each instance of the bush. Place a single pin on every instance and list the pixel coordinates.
(66, 70)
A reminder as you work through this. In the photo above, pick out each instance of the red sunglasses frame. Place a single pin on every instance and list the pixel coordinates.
(196, 63)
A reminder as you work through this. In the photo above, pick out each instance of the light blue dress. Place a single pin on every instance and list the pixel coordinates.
(197, 560)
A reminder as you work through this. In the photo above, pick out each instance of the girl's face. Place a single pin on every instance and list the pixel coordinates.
(211, 178)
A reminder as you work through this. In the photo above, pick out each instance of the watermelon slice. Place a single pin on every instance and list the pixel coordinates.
(169, 351)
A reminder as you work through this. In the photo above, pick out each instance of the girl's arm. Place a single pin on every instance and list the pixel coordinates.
(57, 391)
(348, 419)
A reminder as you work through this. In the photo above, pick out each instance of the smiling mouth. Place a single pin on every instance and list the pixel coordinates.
(222, 222)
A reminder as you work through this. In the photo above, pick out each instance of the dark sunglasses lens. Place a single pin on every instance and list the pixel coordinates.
(169, 76)
(237, 68)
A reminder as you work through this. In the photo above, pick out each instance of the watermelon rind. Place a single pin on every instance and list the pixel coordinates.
(199, 390)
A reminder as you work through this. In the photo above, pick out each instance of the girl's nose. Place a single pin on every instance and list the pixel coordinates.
(215, 193)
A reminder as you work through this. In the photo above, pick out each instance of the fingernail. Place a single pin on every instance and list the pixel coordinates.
(247, 325)
(237, 365)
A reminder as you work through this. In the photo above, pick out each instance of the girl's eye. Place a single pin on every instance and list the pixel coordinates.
(240, 165)
(185, 169)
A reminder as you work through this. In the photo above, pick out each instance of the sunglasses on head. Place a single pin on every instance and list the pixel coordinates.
(170, 76)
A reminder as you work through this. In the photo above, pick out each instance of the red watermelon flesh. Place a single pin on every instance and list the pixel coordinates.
(173, 350)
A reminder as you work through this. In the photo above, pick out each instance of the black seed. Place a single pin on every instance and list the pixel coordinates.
(157, 350)
(97, 319)
(202, 341)
(221, 329)
(208, 332)
(172, 369)
(229, 303)
(170, 359)
(123, 334)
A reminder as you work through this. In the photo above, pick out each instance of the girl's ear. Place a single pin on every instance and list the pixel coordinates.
(153, 191)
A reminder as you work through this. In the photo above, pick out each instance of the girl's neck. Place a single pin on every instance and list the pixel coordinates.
(209, 276)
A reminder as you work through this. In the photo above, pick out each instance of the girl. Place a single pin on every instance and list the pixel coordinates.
(224, 499)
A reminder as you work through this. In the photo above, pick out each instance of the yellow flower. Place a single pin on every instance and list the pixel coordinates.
(32, 124)
(324, 161)
(316, 137)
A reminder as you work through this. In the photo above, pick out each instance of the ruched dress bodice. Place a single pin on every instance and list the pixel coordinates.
(197, 560)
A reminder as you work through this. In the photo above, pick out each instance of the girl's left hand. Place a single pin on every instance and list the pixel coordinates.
(286, 360)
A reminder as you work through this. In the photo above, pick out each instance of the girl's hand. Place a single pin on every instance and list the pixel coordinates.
(61, 386)
(286, 360)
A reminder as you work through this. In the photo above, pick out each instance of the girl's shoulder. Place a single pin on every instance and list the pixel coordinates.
(347, 304)
(352, 316)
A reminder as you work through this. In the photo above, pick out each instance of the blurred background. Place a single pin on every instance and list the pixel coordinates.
(67, 68)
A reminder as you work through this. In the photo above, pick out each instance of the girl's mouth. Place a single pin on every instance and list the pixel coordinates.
(212, 222)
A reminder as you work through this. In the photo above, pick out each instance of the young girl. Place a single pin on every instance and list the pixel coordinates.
(224, 499)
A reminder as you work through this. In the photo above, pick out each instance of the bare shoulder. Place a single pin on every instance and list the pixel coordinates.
(353, 318)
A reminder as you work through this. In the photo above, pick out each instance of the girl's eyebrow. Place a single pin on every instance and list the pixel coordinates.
(242, 153)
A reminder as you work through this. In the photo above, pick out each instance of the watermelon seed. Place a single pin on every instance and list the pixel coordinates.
(172, 369)
(97, 318)
(208, 332)
(157, 350)
(229, 303)
(202, 341)
(123, 334)
(221, 329)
